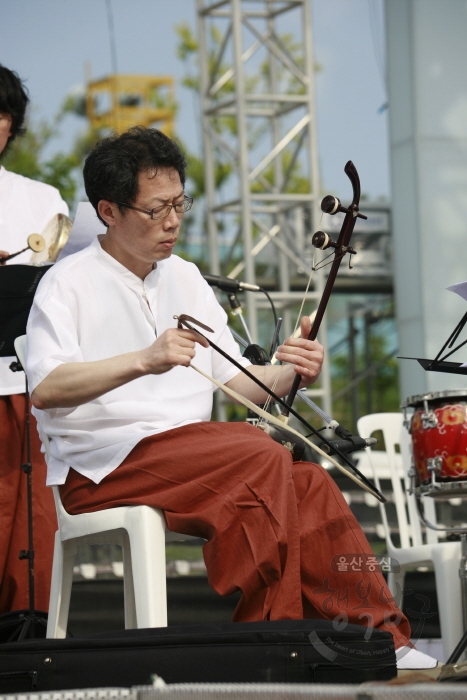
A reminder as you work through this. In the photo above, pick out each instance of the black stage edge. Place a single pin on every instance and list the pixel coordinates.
(97, 606)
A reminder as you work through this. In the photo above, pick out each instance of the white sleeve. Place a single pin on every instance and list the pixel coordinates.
(51, 334)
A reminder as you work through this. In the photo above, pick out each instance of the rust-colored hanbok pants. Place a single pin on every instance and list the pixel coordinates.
(14, 589)
(275, 528)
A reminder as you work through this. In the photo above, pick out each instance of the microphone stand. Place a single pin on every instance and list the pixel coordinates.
(25, 624)
(18, 284)
(237, 310)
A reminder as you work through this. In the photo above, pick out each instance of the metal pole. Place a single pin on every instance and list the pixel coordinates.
(208, 150)
(244, 184)
(368, 361)
(353, 370)
(315, 184)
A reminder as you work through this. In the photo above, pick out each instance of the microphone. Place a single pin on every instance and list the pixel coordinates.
(351, 445)
(228, 285)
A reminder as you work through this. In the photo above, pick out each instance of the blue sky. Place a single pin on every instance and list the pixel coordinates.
(49, 42)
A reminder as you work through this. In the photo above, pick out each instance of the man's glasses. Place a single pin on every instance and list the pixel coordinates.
(164, 210)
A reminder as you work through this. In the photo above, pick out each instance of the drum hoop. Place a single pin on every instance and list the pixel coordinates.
(443, 489)
(417, 399)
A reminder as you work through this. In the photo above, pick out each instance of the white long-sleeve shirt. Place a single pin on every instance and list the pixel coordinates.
(90, 307)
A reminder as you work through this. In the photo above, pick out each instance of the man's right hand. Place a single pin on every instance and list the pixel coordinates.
(173, 347)
(3, 254)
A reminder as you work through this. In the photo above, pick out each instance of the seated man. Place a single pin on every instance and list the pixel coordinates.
(130, 420)
(26, 206)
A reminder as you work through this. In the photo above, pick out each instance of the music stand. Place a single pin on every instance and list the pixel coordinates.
(439, 364)
(18, 284)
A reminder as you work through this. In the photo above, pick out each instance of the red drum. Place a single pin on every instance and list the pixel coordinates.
(439, 435)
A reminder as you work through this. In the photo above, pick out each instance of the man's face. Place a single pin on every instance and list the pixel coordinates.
(138, 241)
(5, 130)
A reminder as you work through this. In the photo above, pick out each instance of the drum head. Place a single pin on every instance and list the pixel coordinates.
(55, 234)
(434, 396)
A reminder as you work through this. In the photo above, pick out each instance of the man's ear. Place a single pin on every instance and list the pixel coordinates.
(107, 211)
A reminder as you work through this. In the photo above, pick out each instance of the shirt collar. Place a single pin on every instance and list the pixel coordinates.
(130, 279)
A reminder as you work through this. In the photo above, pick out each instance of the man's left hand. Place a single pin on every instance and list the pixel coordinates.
(305, 355)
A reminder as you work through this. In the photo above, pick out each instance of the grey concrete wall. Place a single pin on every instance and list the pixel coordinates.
(427, 85)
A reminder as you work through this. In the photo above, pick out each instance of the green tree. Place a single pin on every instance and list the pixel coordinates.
(25, 156)
(384, 381)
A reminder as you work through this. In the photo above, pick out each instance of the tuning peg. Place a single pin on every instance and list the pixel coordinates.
(331, 205)
(322, 241)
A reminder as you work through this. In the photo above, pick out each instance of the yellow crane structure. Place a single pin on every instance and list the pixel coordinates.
(121, 101)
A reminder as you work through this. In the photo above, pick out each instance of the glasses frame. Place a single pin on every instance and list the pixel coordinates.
(187, 204)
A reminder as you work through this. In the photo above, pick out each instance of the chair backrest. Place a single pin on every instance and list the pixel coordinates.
(391, 426)
(20, 347)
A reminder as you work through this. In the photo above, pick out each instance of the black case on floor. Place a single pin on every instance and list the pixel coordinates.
(285, 651)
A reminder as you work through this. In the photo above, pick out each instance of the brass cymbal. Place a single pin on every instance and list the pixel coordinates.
(55, 234)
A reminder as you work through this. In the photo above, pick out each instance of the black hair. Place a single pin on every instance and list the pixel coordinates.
(13, 100)
(112, 168)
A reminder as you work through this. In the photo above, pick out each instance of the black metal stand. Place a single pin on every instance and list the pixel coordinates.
(440, 364)
(25, 624)
(18, 284)
(458, 651)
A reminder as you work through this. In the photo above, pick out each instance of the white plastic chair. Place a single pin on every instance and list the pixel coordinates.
(139, 530)
(443, 557)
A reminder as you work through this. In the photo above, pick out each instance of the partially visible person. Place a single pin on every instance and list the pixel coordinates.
(26, 206)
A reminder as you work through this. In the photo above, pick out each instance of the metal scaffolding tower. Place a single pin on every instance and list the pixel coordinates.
(118, 102)
(261, 162)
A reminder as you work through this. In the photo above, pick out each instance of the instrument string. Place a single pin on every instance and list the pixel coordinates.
(310, 278)
(268, 402)
(325, 264)
(299, 316)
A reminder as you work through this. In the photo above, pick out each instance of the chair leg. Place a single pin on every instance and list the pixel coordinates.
(128, 585)
(146, 532)
(396, 582)
(448, 588)
(60, 589)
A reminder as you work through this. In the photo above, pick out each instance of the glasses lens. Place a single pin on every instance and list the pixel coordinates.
(164, 210)
(185, 205)
(160, 212)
